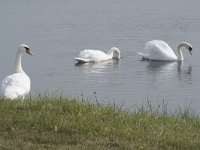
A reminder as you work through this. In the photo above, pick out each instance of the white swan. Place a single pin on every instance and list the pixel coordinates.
(90, 55)
(17, 85)
(160, 50)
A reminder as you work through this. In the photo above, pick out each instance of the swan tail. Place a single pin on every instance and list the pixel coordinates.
(144, 56)
(82, 60)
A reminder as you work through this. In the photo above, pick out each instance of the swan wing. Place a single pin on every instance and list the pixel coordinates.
(160, 50)
(15, 86)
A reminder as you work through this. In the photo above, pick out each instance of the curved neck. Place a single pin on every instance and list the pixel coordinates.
(114, 50)
(110, 52)
(180, 54)
(18, 66)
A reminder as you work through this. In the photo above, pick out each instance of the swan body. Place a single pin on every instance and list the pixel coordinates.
(90, 55)
(18, 84)
(160, 50)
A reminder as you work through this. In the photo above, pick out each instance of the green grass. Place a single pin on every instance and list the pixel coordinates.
(67, 123)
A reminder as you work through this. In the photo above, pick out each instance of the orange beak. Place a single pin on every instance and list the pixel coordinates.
(28, 51)
(190, 50)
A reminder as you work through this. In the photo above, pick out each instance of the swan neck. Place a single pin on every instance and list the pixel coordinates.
(180, 54)
(18, 66)
(112, 51)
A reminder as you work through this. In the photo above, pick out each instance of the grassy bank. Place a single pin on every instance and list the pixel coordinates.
(54, 123)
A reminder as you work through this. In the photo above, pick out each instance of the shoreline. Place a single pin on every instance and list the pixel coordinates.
(71, 123)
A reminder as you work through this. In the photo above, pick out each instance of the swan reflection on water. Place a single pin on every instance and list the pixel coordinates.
(161, 75)
(163, 66)
(168, 71)
(97, 67)
(183, 70)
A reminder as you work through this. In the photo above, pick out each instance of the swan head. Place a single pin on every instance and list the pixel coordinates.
(23, 48)
(186, 45)
(116, 52)
(190, 50)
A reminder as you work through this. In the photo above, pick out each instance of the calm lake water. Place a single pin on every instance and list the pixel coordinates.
(57, 30)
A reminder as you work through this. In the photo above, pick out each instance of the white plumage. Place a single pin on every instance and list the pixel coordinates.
(160, 50)
(90, 55)
(18, 84)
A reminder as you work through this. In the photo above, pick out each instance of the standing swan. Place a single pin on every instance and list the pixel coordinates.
(90, 55)
(17, 85)
(160, 50)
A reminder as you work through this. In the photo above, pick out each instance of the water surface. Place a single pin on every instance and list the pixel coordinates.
(57, 31)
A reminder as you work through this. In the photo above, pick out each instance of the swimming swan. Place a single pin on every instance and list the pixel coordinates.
(160, 50)
(89, 55)
(17, 85)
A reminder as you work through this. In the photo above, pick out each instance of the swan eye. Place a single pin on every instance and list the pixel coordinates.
(26, 48)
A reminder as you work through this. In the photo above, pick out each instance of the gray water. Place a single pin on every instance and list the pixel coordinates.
(57, 30)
